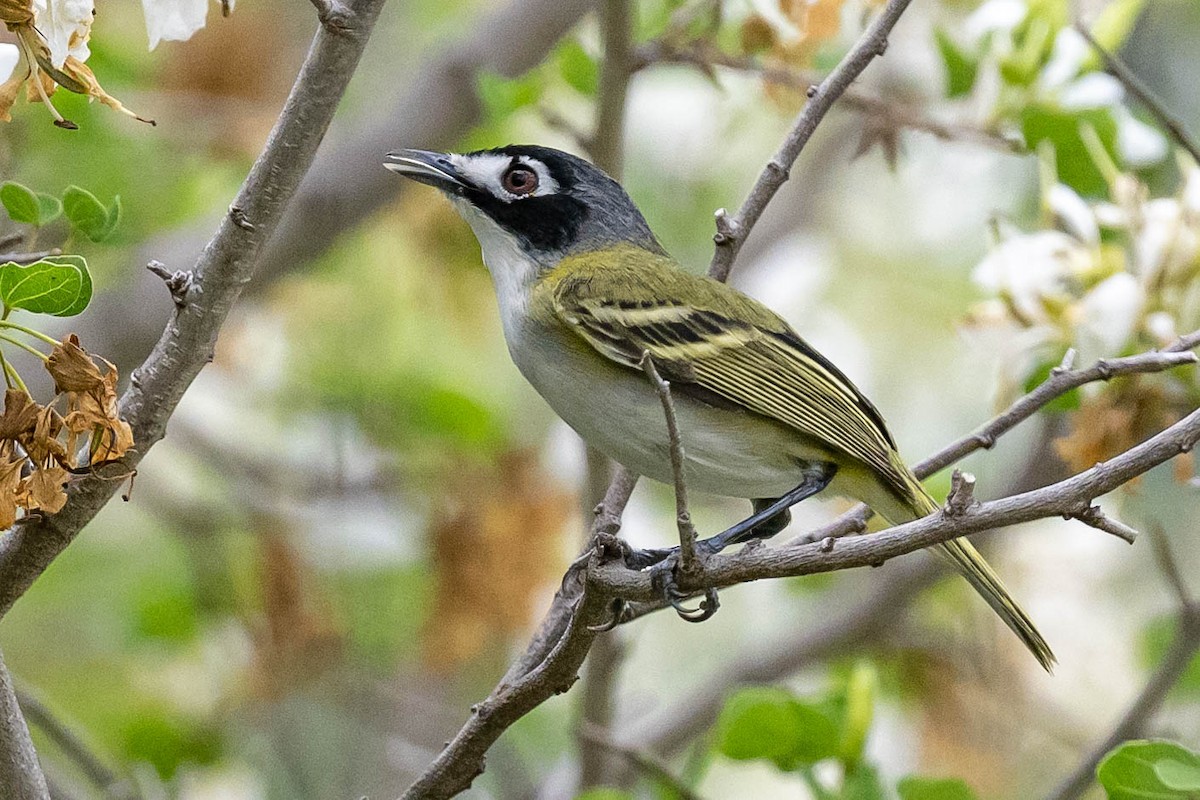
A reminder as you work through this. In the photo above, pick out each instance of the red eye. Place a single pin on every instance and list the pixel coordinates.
(520, 180)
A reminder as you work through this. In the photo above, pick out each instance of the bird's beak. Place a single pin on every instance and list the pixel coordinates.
(424, 166)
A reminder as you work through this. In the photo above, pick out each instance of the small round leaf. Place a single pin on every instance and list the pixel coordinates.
(20, 202)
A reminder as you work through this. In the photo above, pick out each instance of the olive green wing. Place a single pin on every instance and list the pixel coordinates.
(722, 343)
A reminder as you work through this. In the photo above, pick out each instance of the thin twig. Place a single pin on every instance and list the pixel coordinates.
(21, 775)
(648, 765)
(1119, 70)
(1056, 385)
(704, 57)
(73, 746)
(1170, 568)
(688, 560)
(1094, 516)
(873, 42)
(1174, 664)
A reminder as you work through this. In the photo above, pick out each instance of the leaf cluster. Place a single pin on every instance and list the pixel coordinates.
(82, 209)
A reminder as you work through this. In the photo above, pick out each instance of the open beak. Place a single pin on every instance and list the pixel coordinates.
(424, 166)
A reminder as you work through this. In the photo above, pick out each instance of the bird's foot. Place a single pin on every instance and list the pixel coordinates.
(664, 578)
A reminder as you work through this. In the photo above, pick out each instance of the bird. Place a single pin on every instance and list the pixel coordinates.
(587, 293)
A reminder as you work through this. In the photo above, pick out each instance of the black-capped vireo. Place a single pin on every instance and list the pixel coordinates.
(586, 290)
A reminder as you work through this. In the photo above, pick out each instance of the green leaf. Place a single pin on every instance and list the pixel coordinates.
(771, 724)
(578, 68)
(49, 208)
(1150, 770)
(1060, 127)
(961, 67)
(604, 793)
(1153, 643)
(20, 202)
(861, 688)
(917, 788)
(1178, 775)
(58, 285)
(89, 215)
(862, 783)
(502, 96)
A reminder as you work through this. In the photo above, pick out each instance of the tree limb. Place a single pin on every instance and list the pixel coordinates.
(1060, 381)
(688, 561)
(221, 272)
(1054, 500)
(20, 773)
(732, 231)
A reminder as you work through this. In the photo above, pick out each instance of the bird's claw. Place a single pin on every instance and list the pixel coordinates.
(618, 609)
(663, 578)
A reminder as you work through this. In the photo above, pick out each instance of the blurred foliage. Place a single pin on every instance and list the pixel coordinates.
(238, 631)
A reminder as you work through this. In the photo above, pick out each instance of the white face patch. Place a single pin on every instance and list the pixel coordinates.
(486, 170)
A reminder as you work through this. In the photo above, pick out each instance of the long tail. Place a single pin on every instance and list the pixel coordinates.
(967, 560)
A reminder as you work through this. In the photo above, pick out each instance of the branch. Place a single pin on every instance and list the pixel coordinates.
(688, 561)
(92, 767)
(1054, 500)
(704, 57)
(1133, 84)
(607, 144)
(1175, 663)
(732, 234)
(645, 763)
(1062, 380)
(20, 774)
(221, 272)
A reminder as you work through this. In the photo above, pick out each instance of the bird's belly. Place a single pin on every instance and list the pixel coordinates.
(616, 410)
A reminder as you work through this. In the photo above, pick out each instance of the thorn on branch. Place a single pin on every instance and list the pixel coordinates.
(812, 91)
(240, 219)
(727, 228)
(1096, 518)
(961, 498)
(986, 440)
(334, 15)
(828, 543)
(179, 283)
(1067, 364)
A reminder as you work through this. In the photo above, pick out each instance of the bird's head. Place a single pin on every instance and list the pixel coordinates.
(548, 203)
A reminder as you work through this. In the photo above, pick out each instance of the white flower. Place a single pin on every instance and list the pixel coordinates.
(1030, 269)
(1094, 90)
(1066, 59)
(173, 20)
(995, 15)
(1166, 241)
(1161, 326)
(1073, 214)
(1141, 145)
(1108, 315)
(66, 26)
(10, 54)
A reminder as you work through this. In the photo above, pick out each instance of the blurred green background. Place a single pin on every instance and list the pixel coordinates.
(360, 509)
